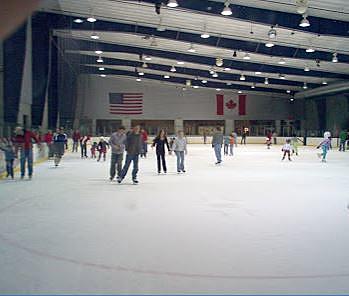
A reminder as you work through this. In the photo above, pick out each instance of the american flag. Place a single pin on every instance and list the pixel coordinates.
(126, 103)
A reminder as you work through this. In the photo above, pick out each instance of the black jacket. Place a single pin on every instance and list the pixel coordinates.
(160, 145)
(133, 143)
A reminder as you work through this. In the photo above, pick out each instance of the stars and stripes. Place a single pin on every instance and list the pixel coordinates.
(126, 103)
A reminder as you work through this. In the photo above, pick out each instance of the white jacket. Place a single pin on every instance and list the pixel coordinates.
(179, 144)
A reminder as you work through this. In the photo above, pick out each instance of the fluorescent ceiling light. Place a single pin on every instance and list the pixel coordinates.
(172, 3)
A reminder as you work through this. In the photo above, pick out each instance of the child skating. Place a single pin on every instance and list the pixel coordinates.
(268, 139)
(102, 149)
(287, 150)
(231, 144)
(9, 150)
(295, 143)
(226, 142)
(179, 146)
(325, 146)
(93, 149)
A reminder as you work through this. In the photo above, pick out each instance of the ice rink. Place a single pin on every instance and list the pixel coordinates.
(251, 225)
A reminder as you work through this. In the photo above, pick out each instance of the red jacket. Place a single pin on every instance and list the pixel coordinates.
(76, 136)
(25, 141)
(144, 136)
(48, 138)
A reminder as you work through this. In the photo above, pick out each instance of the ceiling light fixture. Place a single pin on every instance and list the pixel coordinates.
(266, 80)
(98, 51)
(215, 74)
(218, 89)
(310, 49)
(141, 73)
(335, 58)
(305, 86)
(205, 35)
(324, 82)
(258, 73)
(204, 81)
(269, 44)
(272, 33)
(282, 61)
(91, 19)
(253, 86)
(282, 76)
(306, 69)
(103, 75)
(173, 69)
(247, 56)
(94, 36)
(288, 91)
(219, 62)
(78, 21)
(191, 48)
(144, 65)
(242, 77)
(99, 60)
(239, 92)
(195, 86)
(227, 69)
(139, 79)
(304, 22)
(172, 3)
(166, 76)
(226, 10)
(101, 69)
(147, 58)
(180, 63)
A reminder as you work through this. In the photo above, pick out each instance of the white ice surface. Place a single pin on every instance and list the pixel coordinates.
(251, 225)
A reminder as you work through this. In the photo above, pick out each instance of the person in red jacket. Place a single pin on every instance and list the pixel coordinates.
(48, 139)
(23, 143)
(144, 137)
(76, 137)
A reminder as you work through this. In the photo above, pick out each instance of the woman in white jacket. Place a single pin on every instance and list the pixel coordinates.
(180, 147)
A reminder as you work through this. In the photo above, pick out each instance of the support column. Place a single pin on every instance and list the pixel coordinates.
(278, 127)
(178, 125)
(126, 122)
(229, 126)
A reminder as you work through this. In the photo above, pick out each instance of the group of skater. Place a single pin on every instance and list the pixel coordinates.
(135, 144)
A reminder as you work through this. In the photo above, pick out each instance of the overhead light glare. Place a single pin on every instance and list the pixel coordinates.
(99, 60)
(304, 22)
(180, 63)
(242, 77)
(172, 3)
(78, 21)
(166, 76)
(103, 75)
(266, 81)
(98, 51)
(101, 69)
(173, 69)
(91, 19)
(310, 49)
(226, 10)
(269, 44)
(335, 58)
(94, 36)
(204, 81)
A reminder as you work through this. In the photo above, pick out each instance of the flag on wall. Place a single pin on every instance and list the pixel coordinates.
(126, 103)
(231, 105)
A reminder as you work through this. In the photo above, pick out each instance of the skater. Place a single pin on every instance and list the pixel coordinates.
(93, 150)
(231, 144)
(180, 148)
(235, 135)
(10, 156)
(76, 137)
(102, 149)
(83, 146)
(287, 149)
(59, 144)
(160, 142)
(244, 135)
(342, 139)
(117, 142)
(226, 141)
(144, 136)
(295, 143)
(217, 142)
(325, 146)
(48, 139)
(23, 143)
(133, 149)
(269, 138)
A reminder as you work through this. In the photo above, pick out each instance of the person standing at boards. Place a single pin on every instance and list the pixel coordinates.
(160, 142)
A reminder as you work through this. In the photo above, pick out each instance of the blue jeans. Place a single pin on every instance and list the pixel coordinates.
(324, 152)
(26, 156)
(129, 159)
(218, 151)
(231, 146)
(342, 145)
(180, 160)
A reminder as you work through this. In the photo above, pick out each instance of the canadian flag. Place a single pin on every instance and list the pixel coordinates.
(231, 104)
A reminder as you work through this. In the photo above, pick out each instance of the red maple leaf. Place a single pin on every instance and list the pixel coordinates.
(230, 104)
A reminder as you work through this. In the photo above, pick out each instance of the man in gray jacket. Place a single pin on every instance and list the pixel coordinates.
(133, 149)
(217, 142)
(117, 142)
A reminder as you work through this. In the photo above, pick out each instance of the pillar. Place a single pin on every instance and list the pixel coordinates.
(278, 127)
(229, 126)
(94, 127)
(178, 125)
(126, 122)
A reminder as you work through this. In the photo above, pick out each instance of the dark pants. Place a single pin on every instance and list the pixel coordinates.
(116, 161)
(243, 140)
(226, 149)
(342, 145)
(26, 156)
(161, 160)
(144, 149)
(129, 159)
(9, 167)
(75, 146)
(83, 150)
(100, 155)
(288, 154)
(275, 141)
(50, 149)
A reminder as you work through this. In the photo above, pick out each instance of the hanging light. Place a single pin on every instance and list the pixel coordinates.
(247, 56)
(204, 34)
(292, 99)
(228, 83)
(227, 69)
(204, 81)
(195, 86)
(99, 60)
(141, 73)
(258, 73)
(147, 58)
(304, 22)
(269, 43)
(94, 36)
(324, 82)
(242, 77)
(144, 65)
(335, 58)
(191, 48)
(173, 69)
(78, 21)
(282, 61)
(288, 91)
(226, 10)
(153, 42)
(101, 69)
(305, 86)
(306, 69)
(180, 63)
(219, 62)
(266, 80)
(103, 75)
(302, 6)
(91, 19)
(239, 92)
(172, 3)
(188, 82)
(253, 86)
(211, 71)
(139, 79)
(166, 76)
(272, 33)
(98, 51)
(215, 74)
(282, 76)
(310, 49)
(218, 89)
